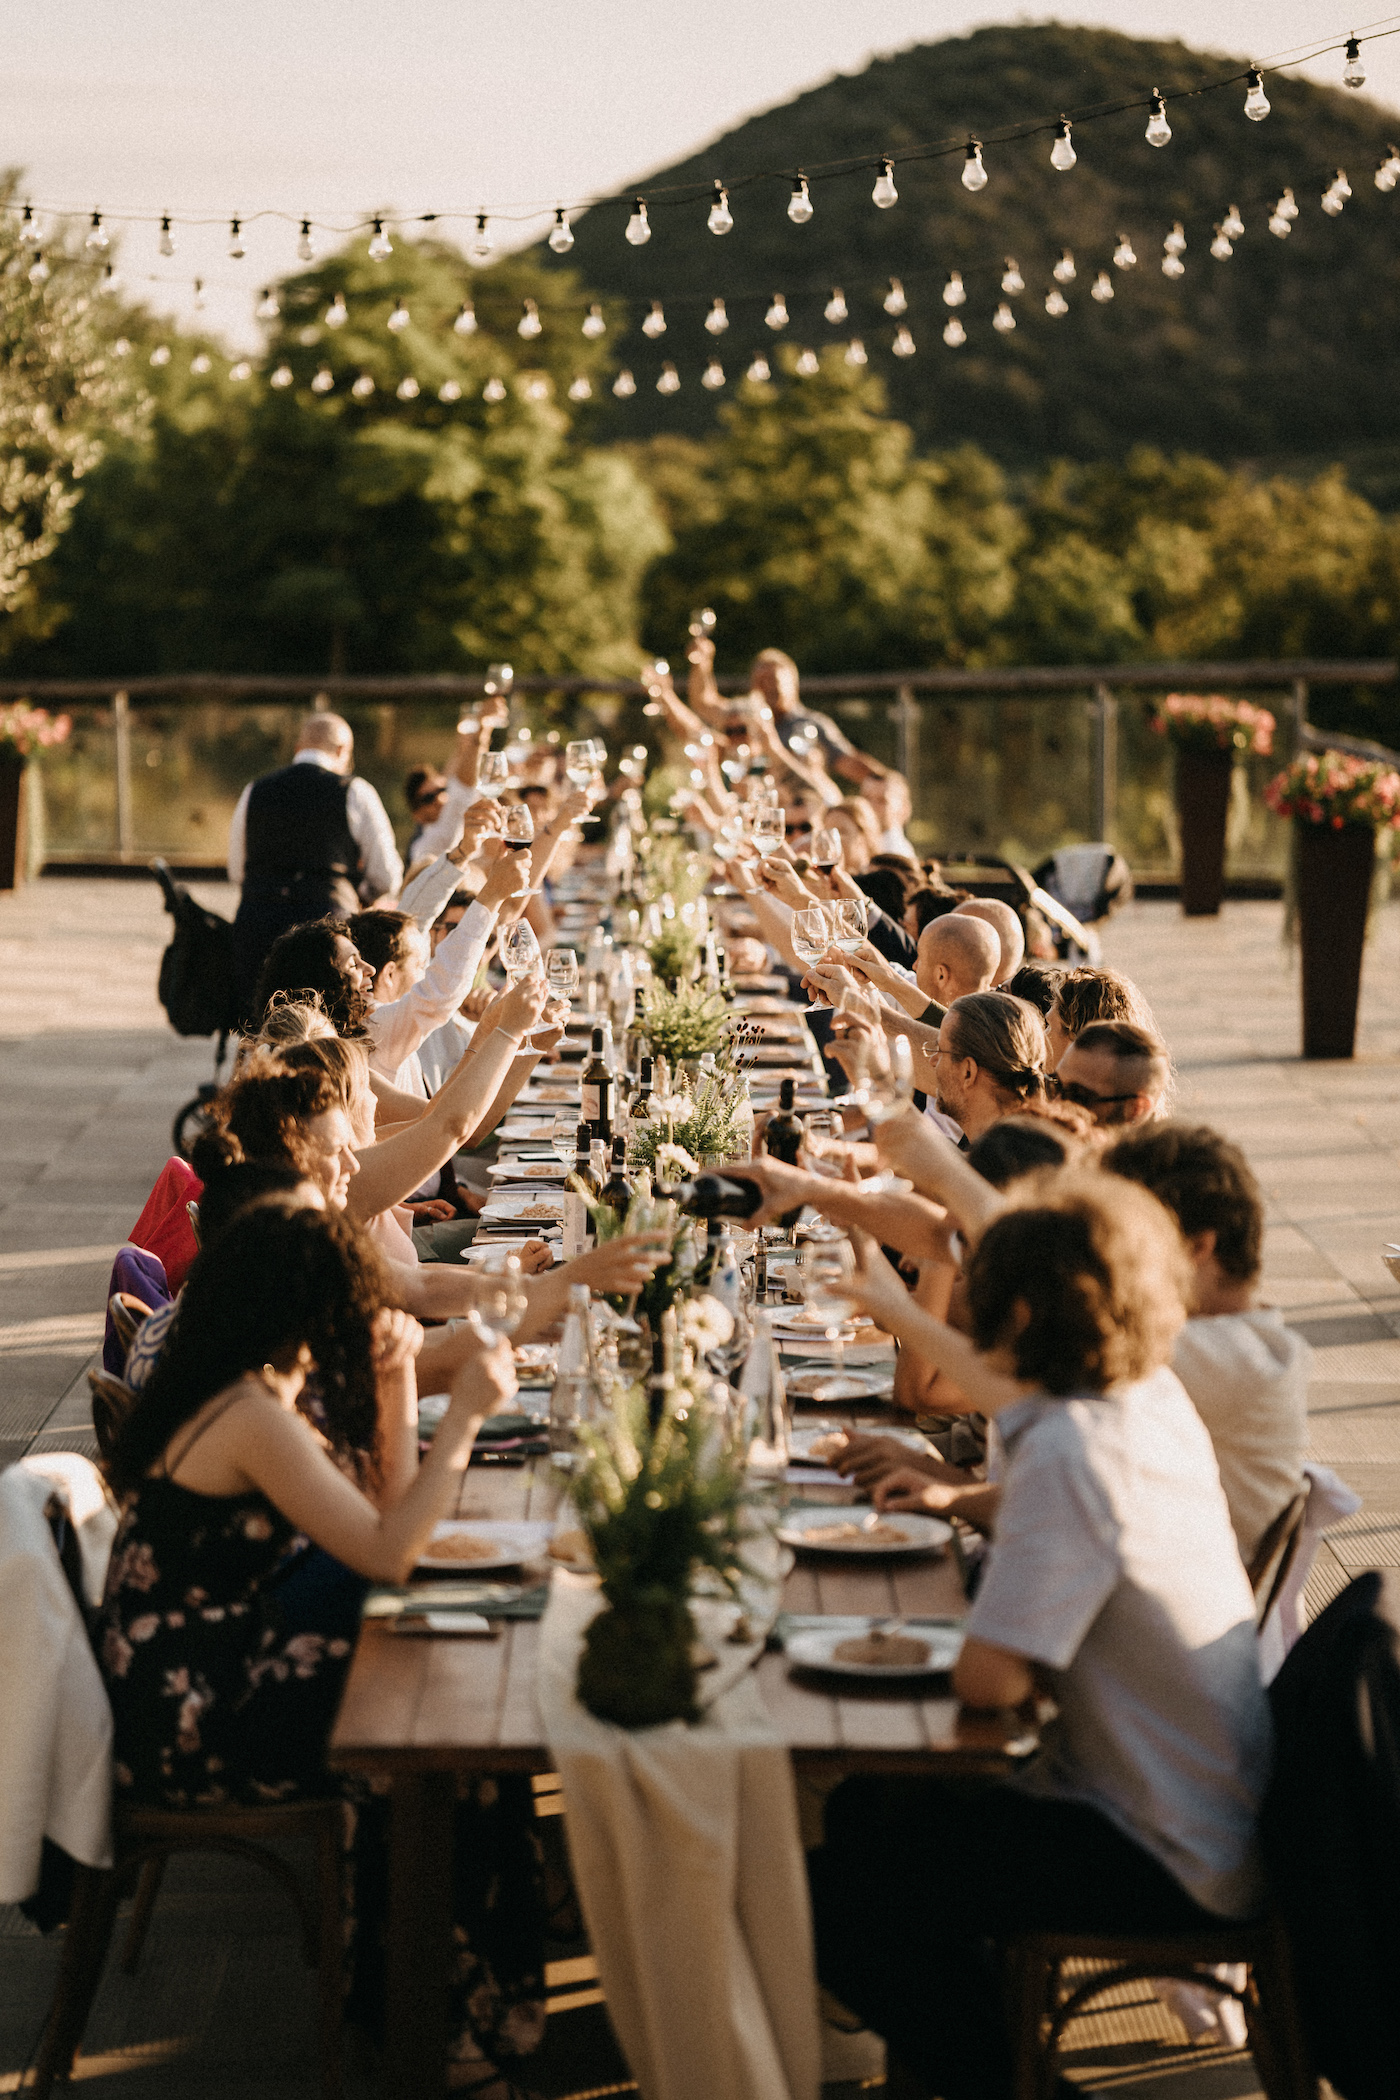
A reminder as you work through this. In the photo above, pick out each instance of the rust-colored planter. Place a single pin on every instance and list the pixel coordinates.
(1334, 890)
(1202, 805)
(14, 841)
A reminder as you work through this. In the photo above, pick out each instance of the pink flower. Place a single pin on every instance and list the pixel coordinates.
(146, 1627)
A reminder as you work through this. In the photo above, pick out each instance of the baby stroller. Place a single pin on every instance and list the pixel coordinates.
(196, 989)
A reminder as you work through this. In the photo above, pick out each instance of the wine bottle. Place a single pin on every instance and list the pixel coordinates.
(641, 1100)
(596, 1090)
(617, 1191)
(636, 1044)
(578, 1223)
(715, 1196)
(782, 1138)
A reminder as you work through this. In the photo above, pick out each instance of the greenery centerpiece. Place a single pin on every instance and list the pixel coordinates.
(712, 1119)
(684, 1023)
(660, 1506)
(1208, 732)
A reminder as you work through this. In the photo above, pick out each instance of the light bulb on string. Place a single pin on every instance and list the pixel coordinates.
(481, 249)
(836, 309)
(955, 291)
(1354, 69)
(1003, 320)
(1175, 242)
(974, 175)
(713, 375)
(856, 352)
(800, 206)
(306, 247)
(903, 344)
(955, 335)
(1064, 270)
(1256, 102)
(1056, 302)
(39, 271)
(759, 372)
(561, 233)
(1102, 288)
(1232, 225)
(529, 325)
(1280, 225)
(281, 377)
(670, 380)
(201, 363)
(166, 243)
(1287, 206)
(337, 313)
(536, 387)
(716, 320)
(240, 370)
(624, 385)
(808, 364)
(267, 308)
(1012, 281)
(465, 322)
(1173, 266)
(236, 249)
(362, 387)
(494, 389)
(639, 225)
(777, 314)
(1388, 170)
(895, 302)
(1335, 195)
(97, 241)
(1159, 131)
(122, 346)
(580, 387)
(721, 218)
(309, 336)
(1062, 153)
(380, 245)
(884, 193)
(594, 324)
(655, 322)
(1222, 247)
(1125, 255)
(398, 319)
(450, 390)
(324, 380)
(199, 299)
(407, 388)
(109, 278)
(160, 355)
(29, 225)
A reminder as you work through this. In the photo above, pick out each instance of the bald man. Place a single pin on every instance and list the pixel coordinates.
(1006, 924)
(306, 842)
(956, 955)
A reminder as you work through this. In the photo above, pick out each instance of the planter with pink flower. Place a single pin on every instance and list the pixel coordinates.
(1208, 733)
(1338, 804)
(23, 731)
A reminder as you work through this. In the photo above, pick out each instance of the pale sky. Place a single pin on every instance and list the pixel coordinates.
(334, 107)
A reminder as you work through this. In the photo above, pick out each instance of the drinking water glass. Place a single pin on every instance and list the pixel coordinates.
(563, 1136)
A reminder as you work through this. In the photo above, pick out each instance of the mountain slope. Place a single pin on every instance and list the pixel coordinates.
(1288, 351)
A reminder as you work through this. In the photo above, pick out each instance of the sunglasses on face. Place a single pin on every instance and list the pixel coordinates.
(1083, 1096)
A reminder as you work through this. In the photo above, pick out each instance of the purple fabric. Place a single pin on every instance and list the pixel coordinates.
(143, 1275)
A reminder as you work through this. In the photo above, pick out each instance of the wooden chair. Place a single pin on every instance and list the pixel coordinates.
(143, 1840)
(112, 1401)
(127, 1312)
(1041, 2010)
(1273, 1558)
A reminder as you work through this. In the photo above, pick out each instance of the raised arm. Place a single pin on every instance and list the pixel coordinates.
(877, 1290)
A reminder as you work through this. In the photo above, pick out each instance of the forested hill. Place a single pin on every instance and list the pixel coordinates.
(1288, 352)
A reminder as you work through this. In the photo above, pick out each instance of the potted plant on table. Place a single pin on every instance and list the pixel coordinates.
(23, 730)
(1208, 733)
(1338, 803)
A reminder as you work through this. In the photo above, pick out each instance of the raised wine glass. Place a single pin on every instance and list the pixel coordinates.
(811, 936)
(520, 951)
(825, 1270)
(561, 972)
(578, 762)
(492, 772)
(767, 828)
(519, 833)
(826, 848)
(851, 920)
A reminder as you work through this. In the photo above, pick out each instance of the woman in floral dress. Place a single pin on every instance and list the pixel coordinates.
(215, 1698)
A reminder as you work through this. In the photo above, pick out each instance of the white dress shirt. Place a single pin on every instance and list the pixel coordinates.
(399, 1025)
(424, 898)
(446, 828)
(365, 816)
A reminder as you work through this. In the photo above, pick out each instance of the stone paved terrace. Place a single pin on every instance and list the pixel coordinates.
(90, 1078)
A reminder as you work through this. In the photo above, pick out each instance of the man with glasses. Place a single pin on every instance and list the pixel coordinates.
(1119, 1072)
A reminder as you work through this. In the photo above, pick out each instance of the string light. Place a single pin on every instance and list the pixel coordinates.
(1280, 223)
(1064, 270)
(1222, 247)
(166, 243)
(161, 354)
(1056, 302)
(1256, 102)
(955, 335)
(282, 377)
(494, 389)
(306, 247)
(561, 233)
(808, 364)
(201, 364)
(240, 371)
(721, 218)
(954, 291)
(1353, 71)
(655, 322)
(974, 175)
(407, 388)
(593, 323)
(97, 241)
(624, 385)
(1159, 131)
(380, 245)
(716, 320)
(836, 309)
(670, 380)
(1012, 281)
(777, 314)
(337, 313)
(1388, 172)
(39, 272)
(481, 249)
(884, 193)
(800, 206)
(1175, 242)
(580, 387)
(1232, 225)
(309, 336)
(530, 324)
(450, 390)
(903, 344)
(324, 381)
(236, 249)
(268, 308)
(1336, 193)
(28, 228)
(639, 225)
(1125, 255)
(536, 387)
(398, 319)
(199, 299)
(759, 372)
(465, 320)
(713, 375)
(1003, 320)
(895, 301)
(856, 352)
(1062, 153)
(1102, 288)
(1173, 266)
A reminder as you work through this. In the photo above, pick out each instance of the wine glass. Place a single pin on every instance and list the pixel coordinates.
(519, 833)
(811, 937)
(578, 761)
(826, 848)
(492, 772)
(519, 951)
(851, 921)
(767, 828)
(890, 1092)
(561, 972)
(563, 1136)
(825, 1269)
(600, 752)
(501, 1301)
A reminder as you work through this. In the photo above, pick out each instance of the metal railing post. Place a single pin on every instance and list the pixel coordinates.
(1300, 712)
(126, 829)
(1105, 764)
(906, 716)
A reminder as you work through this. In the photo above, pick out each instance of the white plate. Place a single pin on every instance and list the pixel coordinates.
(551, 1209)
(821, 1384)
(528, 1170)
(814, 1651)
(921, 1534)
(509, 1543)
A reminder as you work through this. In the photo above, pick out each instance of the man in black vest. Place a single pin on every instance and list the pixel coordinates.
(306, 842)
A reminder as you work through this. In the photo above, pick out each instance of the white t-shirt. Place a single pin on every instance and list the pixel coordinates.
(1115, 1567)
(1248, 1376)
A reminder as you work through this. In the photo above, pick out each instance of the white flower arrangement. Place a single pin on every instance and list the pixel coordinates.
(672, 1162)
(705, 1324)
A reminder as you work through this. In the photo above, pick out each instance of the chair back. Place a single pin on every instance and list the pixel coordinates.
(112, 1402)
(1273, 1558)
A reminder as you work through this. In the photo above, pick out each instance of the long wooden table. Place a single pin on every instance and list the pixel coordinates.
(419, 1710)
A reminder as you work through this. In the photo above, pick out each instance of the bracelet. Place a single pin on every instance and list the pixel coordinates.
(514, 1040)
